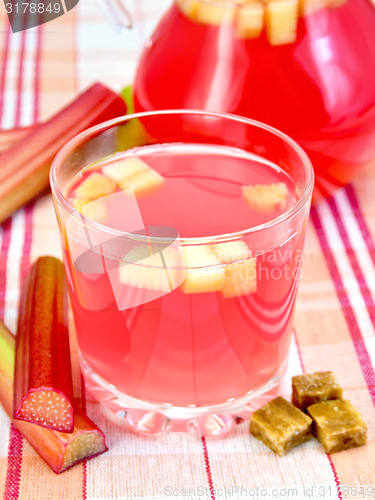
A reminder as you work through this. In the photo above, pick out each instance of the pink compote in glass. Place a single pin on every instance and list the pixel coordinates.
(183, 253)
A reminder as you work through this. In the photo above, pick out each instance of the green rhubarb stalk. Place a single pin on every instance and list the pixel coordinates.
(58, 449)
(43, 389)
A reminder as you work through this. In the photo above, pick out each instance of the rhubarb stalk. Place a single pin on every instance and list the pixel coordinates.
(24, 167)
(58, 449)
(43, 388)
(10, 136)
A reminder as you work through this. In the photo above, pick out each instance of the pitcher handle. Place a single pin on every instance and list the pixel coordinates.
(119, 14)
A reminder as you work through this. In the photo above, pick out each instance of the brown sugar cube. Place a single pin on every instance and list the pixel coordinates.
(280, 426)
(338, 425)
(314, 388)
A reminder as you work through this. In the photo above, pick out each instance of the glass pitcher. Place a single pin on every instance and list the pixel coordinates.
(306, 67)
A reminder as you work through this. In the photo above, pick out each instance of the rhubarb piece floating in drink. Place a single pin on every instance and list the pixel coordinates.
(266, 197)
(309, 6)
(214, 13)
(60, 450)
(95, 210)
(204, 271)
(95, 186)
(231, 251)
(250, 20)
(278, 18)
(281, 21)
(158, 271)
(122, 171)
(240, 278)
(133, 173)
(188, 7)
(239, 269)
(43, 392)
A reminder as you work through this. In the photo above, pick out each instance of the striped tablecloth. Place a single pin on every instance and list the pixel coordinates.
(334, 329)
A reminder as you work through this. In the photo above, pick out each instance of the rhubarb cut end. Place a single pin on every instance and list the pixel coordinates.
(85, 446)
(46, 408)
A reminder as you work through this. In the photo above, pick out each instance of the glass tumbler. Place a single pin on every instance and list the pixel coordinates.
(184, 317)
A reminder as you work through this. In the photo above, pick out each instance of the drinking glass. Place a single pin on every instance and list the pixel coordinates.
(183, 309)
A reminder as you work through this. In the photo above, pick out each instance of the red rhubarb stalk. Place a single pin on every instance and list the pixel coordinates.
(11, 136)
(24, 167)
(58, 449)
(43, 390)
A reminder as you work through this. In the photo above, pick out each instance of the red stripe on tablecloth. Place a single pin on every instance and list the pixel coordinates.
(333, 468)
(25, 262)
(339, 494)
(354, 330)
(14, 464)
(84, 465)
(37, 74)
(12, 482)
(208, 468)
(84, 481)
(3, 72)
(17, 119)
(7, 230)
(366, 234)
(361, 280)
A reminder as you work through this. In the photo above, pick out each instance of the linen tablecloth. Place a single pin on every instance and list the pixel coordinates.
(41, 70)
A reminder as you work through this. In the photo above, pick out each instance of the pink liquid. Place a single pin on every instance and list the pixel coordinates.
(195, 349)
(319, 89)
